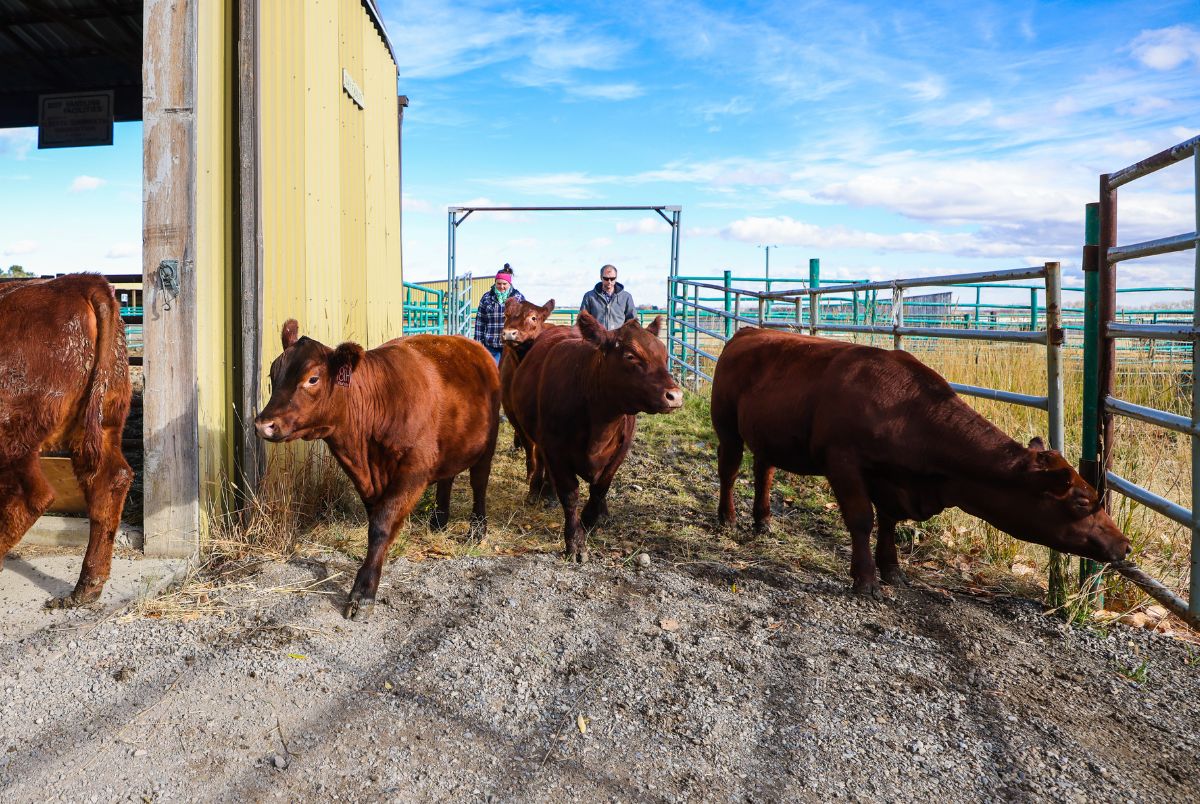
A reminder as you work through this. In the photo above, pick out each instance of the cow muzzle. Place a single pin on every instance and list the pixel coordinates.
(510, 336)
(269, 430)
(673, 398)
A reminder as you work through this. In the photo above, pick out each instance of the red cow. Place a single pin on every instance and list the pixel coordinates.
(64, 385)
(889, 432)
(578, 399)
(524, 322)
(398, 417)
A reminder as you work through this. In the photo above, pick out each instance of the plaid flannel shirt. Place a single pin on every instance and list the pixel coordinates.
(489, 320)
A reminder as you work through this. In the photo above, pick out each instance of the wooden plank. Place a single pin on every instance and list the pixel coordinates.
(68, 497)
(249, 455)
(170, 422)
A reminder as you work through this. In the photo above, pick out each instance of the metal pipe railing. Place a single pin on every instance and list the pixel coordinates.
(1110, 254)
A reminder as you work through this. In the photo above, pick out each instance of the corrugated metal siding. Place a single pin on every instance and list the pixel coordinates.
(330, 196)
(214, 237)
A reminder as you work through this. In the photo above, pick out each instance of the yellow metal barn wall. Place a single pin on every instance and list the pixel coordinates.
(330, 176)
(216, 94)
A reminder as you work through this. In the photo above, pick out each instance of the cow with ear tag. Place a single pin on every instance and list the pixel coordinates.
(412, 412)
(577, 397)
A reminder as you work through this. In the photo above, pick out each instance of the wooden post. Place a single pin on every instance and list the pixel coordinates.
(249, 455)
(170, 421)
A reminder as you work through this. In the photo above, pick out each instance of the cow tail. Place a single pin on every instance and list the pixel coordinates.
(111, 363)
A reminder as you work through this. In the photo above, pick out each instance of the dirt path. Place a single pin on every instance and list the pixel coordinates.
(527, 679)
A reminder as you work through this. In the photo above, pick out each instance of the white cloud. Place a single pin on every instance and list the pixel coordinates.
(613, 92)
(927, 89)
(85, 183)
(654, 226)
(21, 247)
(411, 204)
(733, 107)
(507, 217)
(556, 185)
(600, 242)
(523, 242)
(17, 142)
(1167, 48)
(120, 251)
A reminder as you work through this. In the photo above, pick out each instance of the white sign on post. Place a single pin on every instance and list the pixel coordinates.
(75, 119)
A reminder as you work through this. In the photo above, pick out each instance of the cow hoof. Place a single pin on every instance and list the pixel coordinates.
(71, 601)
(869, 589)
(762, 528)
(359, 610)
(576, 556)
(437, 522)
(893, 576)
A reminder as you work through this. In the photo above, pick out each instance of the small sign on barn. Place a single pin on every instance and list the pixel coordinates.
(75, 119)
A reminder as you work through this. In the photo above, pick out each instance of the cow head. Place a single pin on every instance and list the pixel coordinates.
(633, 366)
(1052, 505)
(523, 321)
(308, 385)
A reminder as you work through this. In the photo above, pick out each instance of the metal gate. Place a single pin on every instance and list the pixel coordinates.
(1100, 263)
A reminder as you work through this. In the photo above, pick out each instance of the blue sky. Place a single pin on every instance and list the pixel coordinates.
(885, 141)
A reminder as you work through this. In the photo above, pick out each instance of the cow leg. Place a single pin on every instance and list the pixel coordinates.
(105, 489)
(441, 505)
(729, 463)
(480, 473)
(24, 496)
(764, 476)
(566, 485)
(597, 504)
(385, 518)
(885, 553)
(850, 490)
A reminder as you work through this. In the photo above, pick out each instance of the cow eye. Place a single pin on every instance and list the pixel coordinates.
(313, 379)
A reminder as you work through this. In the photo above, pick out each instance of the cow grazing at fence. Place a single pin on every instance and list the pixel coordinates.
(890, 434)
(64, 386)
(578, 397)
(398, 417)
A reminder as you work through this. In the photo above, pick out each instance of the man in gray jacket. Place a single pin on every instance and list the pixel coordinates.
(609, 302)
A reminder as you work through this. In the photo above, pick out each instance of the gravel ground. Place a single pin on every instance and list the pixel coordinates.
(528, 679)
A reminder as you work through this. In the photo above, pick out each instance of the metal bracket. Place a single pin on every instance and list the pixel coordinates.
(168, 281)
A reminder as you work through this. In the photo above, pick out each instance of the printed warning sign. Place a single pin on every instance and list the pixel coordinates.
(75, 119)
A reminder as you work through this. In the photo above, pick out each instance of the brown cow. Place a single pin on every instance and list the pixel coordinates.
(64, 385)
(578, 398)
(524, 322)
(398, 417)
(889, 432)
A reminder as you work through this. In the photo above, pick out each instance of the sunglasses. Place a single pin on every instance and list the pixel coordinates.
(608, 279)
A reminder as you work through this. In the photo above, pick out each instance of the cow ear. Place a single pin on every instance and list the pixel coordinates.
(343, 361)
(1052, 481)
(1036, 444)
(291, 331)
(590, 328)
(548, 307)
(655, 326)
(511, 305)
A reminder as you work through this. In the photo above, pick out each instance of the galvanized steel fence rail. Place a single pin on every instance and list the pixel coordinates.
(1101, 255)
(691, 319)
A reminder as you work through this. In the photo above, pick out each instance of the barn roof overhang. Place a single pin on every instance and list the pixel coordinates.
(51, 46)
